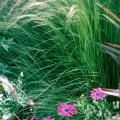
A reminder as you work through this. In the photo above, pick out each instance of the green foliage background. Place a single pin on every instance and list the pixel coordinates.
(53, 42)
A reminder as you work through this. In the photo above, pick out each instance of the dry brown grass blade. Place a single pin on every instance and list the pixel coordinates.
(116, 46)
(114, 53)
(16, 116)
(109, 12)
(111, 92)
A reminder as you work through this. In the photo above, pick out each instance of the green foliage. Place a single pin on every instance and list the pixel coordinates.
(9, 104)
(53, 43)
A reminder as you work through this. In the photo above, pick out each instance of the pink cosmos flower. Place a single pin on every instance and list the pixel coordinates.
(48, 118)
(67, 110)
(98, 94)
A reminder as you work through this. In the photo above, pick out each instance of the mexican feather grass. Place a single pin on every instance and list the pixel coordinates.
(54, 44)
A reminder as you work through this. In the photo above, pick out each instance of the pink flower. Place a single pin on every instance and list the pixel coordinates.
(67, 110)
(98, 94)
(48, 118)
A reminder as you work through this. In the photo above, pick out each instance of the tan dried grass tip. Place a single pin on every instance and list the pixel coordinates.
(72, 11)
(34, 4)
(5, 117)
(109, 12)
(31, 102)
(8, 87)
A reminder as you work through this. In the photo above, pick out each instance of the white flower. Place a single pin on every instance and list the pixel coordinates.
(5, 117)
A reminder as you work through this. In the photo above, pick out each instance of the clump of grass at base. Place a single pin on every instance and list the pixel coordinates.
(54, 46)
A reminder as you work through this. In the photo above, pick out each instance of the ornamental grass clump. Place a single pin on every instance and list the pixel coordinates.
(54, 43)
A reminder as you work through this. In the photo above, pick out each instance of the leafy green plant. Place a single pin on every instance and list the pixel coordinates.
(13, 97)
